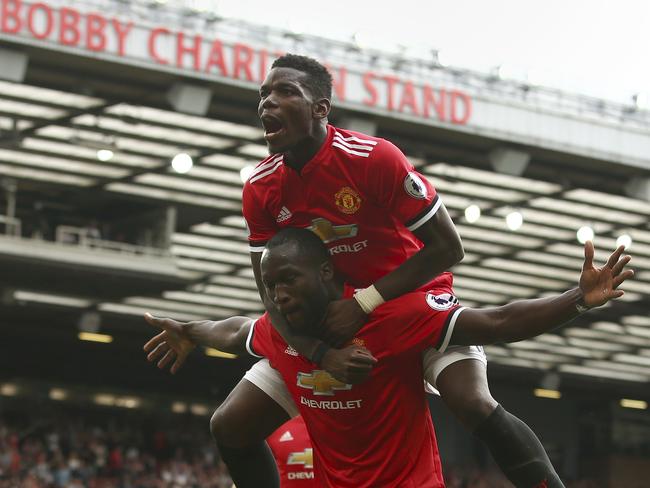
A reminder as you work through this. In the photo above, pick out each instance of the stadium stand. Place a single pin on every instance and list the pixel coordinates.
(97, 227)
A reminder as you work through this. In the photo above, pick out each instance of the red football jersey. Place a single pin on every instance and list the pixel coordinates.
(293, 454)
(379, 432)
(358, 193)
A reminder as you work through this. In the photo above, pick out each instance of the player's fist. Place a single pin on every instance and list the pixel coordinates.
(351, 365)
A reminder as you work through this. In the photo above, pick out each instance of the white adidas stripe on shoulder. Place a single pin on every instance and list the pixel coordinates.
(351, 151)
(265, 169)
(265, 165)
(356, 139)
(363, 147)
(353, 146)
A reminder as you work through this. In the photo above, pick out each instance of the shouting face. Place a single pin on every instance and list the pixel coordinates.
(287, 109)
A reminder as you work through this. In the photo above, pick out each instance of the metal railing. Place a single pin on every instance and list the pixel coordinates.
(12, 226)
(87, 238)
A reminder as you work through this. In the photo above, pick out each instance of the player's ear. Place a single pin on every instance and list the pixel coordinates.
(321, 108)
(326, 271)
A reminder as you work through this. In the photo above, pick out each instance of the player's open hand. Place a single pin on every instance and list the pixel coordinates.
(343, 320)
(172, 344)
(599, 285)
(351, 365)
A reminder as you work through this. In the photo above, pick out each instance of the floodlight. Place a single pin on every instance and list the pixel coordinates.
(584, 234)
(105, 155)
(472, 213)
(624, 240)
(514, 220)
(182, 163)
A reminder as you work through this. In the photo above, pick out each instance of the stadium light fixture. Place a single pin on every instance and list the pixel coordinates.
(199, 409)
(514, 220)
(472, 213)
(128, 402)
(58, 394)
(105, 155)
(624, 240)
(544, 393)
(584, 234)
(93, 337)
(179, 407)
(104, 399)
(637, 404)
(8, 389)
(182, 163)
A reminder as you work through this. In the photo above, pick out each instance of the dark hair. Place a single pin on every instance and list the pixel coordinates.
(310, 246)
(319, 79)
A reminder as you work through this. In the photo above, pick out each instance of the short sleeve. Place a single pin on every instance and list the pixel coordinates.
(261, 227)
(397, 186)
(422, 319)
(260, 342)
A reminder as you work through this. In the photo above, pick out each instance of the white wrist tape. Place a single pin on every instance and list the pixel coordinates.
(369, 299)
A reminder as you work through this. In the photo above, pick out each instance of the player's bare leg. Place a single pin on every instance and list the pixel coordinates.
(514, 446)
(239, 426)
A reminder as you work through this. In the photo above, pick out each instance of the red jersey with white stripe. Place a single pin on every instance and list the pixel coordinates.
(358, 193)
(293, 454)
(377, 433)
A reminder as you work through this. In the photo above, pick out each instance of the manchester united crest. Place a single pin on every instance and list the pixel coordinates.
(347, 200)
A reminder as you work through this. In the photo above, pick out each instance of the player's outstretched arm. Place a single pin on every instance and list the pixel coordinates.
(528, 318)
(178, 339)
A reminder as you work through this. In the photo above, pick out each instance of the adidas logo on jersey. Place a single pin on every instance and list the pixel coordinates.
(284, 214)
(290, 351)
(286, 437)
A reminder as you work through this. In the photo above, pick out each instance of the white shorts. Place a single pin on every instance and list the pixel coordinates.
(434, 362)
(270, 382)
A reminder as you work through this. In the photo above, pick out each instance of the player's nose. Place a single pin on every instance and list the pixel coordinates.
(282, 297)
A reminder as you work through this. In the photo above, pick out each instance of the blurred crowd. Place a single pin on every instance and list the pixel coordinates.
(72, 452)
(105, 448)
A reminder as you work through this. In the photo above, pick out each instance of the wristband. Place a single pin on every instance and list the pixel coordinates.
(369, 299)
(319, 353)
(580, 304)
(581, 307)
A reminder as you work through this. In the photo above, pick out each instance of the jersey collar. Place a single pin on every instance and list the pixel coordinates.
(320, 155)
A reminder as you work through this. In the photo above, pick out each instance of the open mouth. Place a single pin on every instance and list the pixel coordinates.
(273, 127)
(293, 315)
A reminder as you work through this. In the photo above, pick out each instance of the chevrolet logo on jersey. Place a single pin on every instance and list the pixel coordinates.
(324, 229)
(306, 458)
(321, 382)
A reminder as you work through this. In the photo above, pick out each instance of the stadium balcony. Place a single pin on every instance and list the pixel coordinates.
(92, 266)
